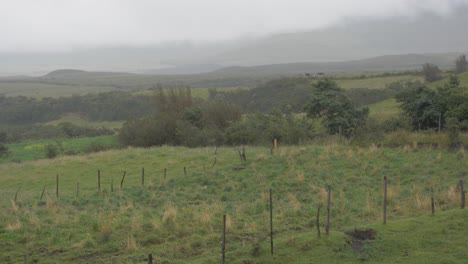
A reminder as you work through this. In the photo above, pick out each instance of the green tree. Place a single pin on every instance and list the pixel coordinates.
(431, 72)
(4, 151)
(328, 102)
(51, 151)
(461, 64)
(421, 104)
(454, 101)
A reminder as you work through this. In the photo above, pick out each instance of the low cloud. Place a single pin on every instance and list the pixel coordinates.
(61, 25)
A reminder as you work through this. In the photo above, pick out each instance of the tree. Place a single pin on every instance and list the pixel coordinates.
(329, 103)
(421, 105)
(461, 64)
(3, 137)
(4, 151)
(454, 101)
(431, 72)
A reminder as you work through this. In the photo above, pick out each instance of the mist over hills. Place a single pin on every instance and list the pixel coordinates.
(319, 50)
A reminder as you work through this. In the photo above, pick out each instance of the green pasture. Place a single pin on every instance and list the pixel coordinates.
(41, 90)
(36, 149)
(79, 121)
(177, 214)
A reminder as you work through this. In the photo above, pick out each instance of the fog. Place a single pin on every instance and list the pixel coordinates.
(63, 25)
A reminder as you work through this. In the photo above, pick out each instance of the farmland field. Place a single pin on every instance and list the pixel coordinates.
(375, 82)
(177, 216)
(33, 150)
(41, 90)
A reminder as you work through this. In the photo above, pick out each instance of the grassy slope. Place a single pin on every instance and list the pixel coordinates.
(384, 110)
(462, 77)
(178, 219)
(79, 121)
(389, 108)
(199, 92)
(374, 82)
(41, 90)
(33, 150)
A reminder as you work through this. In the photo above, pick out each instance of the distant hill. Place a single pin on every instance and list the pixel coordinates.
(71, 73)
(376, 64)
(185, 69)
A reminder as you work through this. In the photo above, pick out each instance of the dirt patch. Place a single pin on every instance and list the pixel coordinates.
(359, 236)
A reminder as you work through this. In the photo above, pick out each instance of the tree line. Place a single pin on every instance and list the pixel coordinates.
(108, 106)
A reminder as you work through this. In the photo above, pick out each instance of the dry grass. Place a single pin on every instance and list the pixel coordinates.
(373, 148)
(14, 207)
(136, 222)
(261, 157)
(51, 206)
(453, 194)
(170, 213)
(322, 192)
(228, 224)
(14, 226)
(300, 178)
(295, 204)
(131, 244)
(205, 217)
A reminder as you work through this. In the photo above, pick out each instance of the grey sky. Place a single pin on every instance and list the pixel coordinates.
(51, 25)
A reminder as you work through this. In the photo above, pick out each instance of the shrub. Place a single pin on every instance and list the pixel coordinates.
(4, 151)
(51, 151)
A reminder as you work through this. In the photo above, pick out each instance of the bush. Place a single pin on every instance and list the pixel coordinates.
(4, 151)
(51, 151)
(96, 147)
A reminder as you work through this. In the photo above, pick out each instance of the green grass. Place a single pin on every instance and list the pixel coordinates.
(178, 218)
(33, 150)
(462, 77)
(384, 110)
(374, 82)
(79, 121)
(41, 90)
(202, 93)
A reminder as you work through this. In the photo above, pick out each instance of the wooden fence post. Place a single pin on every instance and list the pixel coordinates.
(244, 157)
(432, 201)
(318, 221)
(122, 181)
(223, 246)
(462, 193)
(99, 180)
(271, 220)
(327, 225)
(57, 186)
(385, 200)
(150, 259)
(42, 194)
(112, 185)
(16, 194)
(77, 188)
(275, 144)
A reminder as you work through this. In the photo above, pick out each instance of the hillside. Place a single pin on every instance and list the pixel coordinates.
(375, 64)
(177, 215)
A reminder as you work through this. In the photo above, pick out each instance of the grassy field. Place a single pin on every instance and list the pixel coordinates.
(198, 92)
(384, 110)
(41, 90)
(374, 82)
(79, 121)
(178, 218)
(462, 77)
(33, 150)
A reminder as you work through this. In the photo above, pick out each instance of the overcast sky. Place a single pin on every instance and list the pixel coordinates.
(51, 25)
